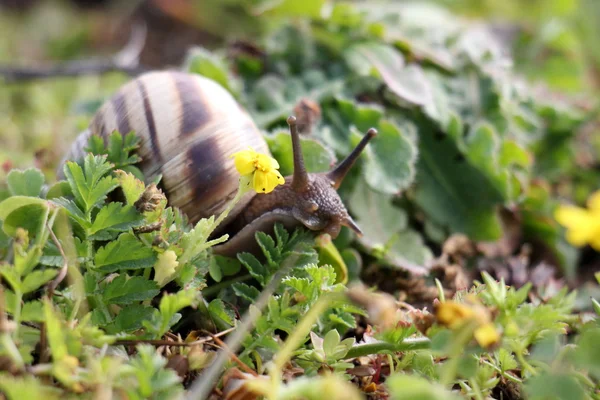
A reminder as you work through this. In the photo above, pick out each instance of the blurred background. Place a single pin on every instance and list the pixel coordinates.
(551, 41)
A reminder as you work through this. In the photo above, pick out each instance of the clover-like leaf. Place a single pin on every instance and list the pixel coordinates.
(25, 183)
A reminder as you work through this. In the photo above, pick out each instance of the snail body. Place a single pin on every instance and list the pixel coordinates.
(189, 128)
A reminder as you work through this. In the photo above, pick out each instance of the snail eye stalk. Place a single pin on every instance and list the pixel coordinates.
(300, 177)
(338, 174)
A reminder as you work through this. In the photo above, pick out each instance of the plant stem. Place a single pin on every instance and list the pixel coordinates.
(12, 350)
(17, 314)
(410, 344)
(476, 390)
(230, 205)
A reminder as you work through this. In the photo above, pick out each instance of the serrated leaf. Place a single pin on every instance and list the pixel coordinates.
(25, 183)
(170, 305)
(165, 267)
(33, 311)
(11, 275)
(221, 317)
(126, 291)
(89, 184)
(73, 211)
(130, 318)
(112, 219)
(255, 267)
(249, 293)
(33, 280)
(55, 332)
(132, 187)
(125, 253)
(27, 387)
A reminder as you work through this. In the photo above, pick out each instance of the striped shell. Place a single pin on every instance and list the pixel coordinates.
(189, 127)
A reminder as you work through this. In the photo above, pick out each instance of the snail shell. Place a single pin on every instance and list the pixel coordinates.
(189, 127)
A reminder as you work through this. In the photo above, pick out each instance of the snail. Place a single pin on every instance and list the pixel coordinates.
(189, 127)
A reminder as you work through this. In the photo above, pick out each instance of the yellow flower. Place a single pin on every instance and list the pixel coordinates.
(259, 169)
(487, 335)
(455, 315)
(452, 314)
(583, 225)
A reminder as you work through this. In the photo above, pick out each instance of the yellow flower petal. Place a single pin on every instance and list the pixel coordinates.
(265, 182)
(265, 163)
(593, 201)
(595, 241)
(451, 314)
(245, 161)
(487, 335)
(571, 216)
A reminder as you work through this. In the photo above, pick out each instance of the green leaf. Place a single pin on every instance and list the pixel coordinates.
(74, 212)
(249, 293)
(204, 62)
(132, 187)
(407, 82)
(59, 189)
(25, 183)
(11, 275)
(385, 230)
(390, 160)
(125, 253)
(33, 280)
(453, 191)
(130, 318)
(55, 332)
(554, 386)
(316, 157)
(122, 290)
(27, 387)
(410, 387)
(291, 8)
(219, 314)
(22, 212)
(112, 219)
(256, 269)
(89, 184)
(331, 341)
(150, 377)
(33, 311)
(169, 306)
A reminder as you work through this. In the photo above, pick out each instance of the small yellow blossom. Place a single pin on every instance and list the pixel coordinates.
(454, 315)
(258, 169)
(487, 335)
(583, 225)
